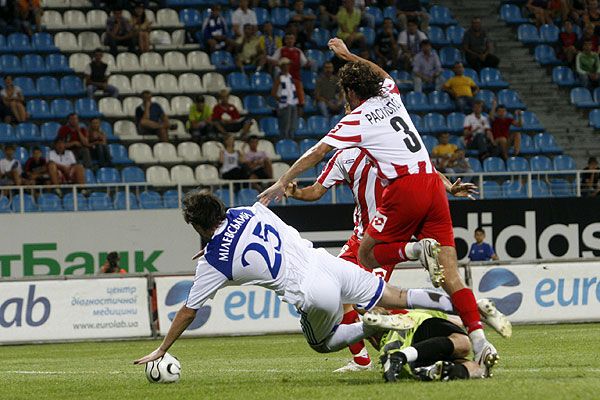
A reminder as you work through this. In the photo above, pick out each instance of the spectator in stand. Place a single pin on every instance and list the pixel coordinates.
(303, 16)
(589, 36)
(302, 38)
(348, 18)
(477, 131)
(215, 30)
(200, 119)
(98, 142)
(292, 53)
(232, 160)
(412, 10)
(7, 15)
(10, 168)
(462, 88)
(284, 92)
(63, 167)
(150, 118)
(503, 138)
(386, 48)
(427, 68)
(541, 12)
(76, 139)
(36, 168)
(111, 265)
(269, 43)
(577, 10)
(257, 162)
(327, 13)
(409, 41)
(478, 48)
(249, 52)
(567, 40)
(141, 26)
(30, 13)
(328, 96)
(366, 19)
(481, 251)
(587, 65)
(241, 17)
(226, 117)
(592, 16)
(96, 75)
(589, 180)
(13, 100)
(449, 158)
(119, 32)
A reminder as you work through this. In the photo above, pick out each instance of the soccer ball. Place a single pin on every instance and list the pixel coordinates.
(166, 369)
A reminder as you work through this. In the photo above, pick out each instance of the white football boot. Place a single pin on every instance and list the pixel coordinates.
(353, 366)
(494, 318)
(430, 249)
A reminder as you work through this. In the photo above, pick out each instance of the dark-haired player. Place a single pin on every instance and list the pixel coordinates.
(414, 199)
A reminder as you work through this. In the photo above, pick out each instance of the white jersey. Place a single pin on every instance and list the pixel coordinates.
(351, 166)
(382, 128)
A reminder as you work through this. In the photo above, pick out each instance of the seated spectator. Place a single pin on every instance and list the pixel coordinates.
(386, 48)
(98, 142)
(481, 251)
(76, 139)
(503, 138)
(119, 32)
(13, 100)
(587, 65)
(427, 68)
(63, 167)
(249, 52)
(36, 168)
(242, 16)
(328, 95)
(348, 18)
(302, 16)
(449, 158)
(589, 36)
(226, 117)
(589, 180)
(232, 160)
(30, 13)
(111, 265)
(462, 88)
(577, 10)
(541, 11)
(478, 48)
(96, 75)
(151, 119)
(7, 15)
(477, 131)
(215, 30)
(567, 40)
(199, 121)
(10, 168)
(327, 13)
(284, 91)
(409, 41)
(269, 43)
(302, 37)
(412, 10)
(257, 162)
(591, 17)
(142, 27)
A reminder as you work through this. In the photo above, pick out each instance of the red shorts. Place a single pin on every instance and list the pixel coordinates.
(413, 205)
(350, 253)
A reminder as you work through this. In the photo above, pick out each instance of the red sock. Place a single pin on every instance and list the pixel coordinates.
(390, 253)
(464, 302)
(360, 357)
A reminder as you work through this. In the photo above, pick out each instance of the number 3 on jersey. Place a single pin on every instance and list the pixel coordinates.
(260, 249)
(412, 142)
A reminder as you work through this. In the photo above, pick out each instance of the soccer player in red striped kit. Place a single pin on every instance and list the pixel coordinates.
(414, 199)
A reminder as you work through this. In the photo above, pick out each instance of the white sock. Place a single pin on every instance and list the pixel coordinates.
(411, 354)
(429, 299)
(477, 335)
(413, 250)
(346, 335)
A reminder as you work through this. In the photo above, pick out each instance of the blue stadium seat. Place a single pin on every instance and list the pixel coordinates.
(58, 63)
(118, 154)
(539, 188)
(471, 73)
(27, 86)
(403, 80)
(437, 36)
(510, 99)
(171, 199)
(28, 132)
(417, 102)
(108, 129)
(455, 34)
(527, 146)
(491, 78)
(430, 142)
(68, 202)
(261, 82)
(494, 164)
(49, 131)
(369, 34)
(564, 163)
(440, 15)
(21, 154)
(310, 173)
(487, 96)
(440, 101)
(309, 104)
(270, 126)
(256, 104)
(531, 123)
(447, 74)
(317, 56)
(343, 194)
(563, 76)
(457, 141)
(302, 128)
(475, 164)
(49, 202)
(390, 12)
(334, 120)
(7, 133)
(287, 149)
(108, 175)
(320, 37)
(238, 82)
(190, 17)
(517, 164)
(376, 13)
(545, 55)
(528, 34)
(511, 14)
(540, 164)
(455, 122)
(100, 201)
(545, 143)
(18, 43)
(120, 201)
(450, 56)
(262, 15)
(48, 86)
(223, 194)
(33, 64)
(10, 64)
(28, 203)
(133, 175)
(582, 98)
(222, 60)
(436, 123)
(491, 190)
(90, 177)
(549, 33)
(3, 46)
(562, 188)
(318, 125)
(309, 79)
(513, 189)
(280, 16)
(594, 118)
(326, 199)
(245, 197)
(4, 204)
(306, 144)
(418, 122)
(72, 85)
(151, 200)
(42, 42)
(87, 108)
(60, 108)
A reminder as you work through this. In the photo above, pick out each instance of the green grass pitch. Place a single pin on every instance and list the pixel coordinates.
(539, 362)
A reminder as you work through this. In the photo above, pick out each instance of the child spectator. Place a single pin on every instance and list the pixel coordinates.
(587, 65)
(481, 251)
(10, 168)
(214, 31)
(232, 160)
(141, 25)
(36, 168)
(96, 76)
(567, 40)
(200, 119)
(503, 138)
(98, 142)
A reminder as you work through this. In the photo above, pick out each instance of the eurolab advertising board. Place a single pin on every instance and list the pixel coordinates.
(73, 309)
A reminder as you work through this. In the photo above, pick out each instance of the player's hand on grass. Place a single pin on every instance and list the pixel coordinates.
(274, 192)
(339, 48)
(460, 189)
(155, 355)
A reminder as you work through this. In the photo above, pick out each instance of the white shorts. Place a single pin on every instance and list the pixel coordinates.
(329, 284)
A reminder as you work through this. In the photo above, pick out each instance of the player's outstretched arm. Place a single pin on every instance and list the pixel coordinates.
(341, 50)
(310, 193)
(182, 320)
(458, 188)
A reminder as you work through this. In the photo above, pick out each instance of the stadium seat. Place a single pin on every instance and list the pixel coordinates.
(287, 149)
(417, 102)
(150, 200)
(318, 125)
(180, 105)
(141, 82)
(455, 34)
(302, 128)
(26, 85)
(475, 164)
(280, 16)
(527, 146)
(517, 164)
(75, 19)
(122, 83)
(127, 62)
(119, 154)
(562, 188)
(72, 85)
(166, 153)
(171, 199)
(436, 123)
(52, 19)
(540, 163)
(546, 144)
(279, 168)
(430, 142)
(594, 118)
(418, 122)
(18, 43)
(320, 37)
(513, 189)
(175, 61)
(582, 98)
(126, 130)
(376, 13)
(246, 197)
(88, 41)
(33, 64)
(494, 164)
(4, 204)
(369, 33)
(437, 36)
(28, 132)
(309, 79)
(49, 131)
(190, 83)
(87, 108)
(158, 176)
(261, 82)
(403, 80)
(455, 122)
(10, 64)
(530, 123)
(110, 107)
(317, 56)
(66, 41)
(57, 63)
(511, 14)
(309, 104)
(189, 152)
(120, 201)
(68, 202)
(440, 101)
(99, 201)
(132, 175)
(183, 175)
(491, 190)
(457, 141)
(549, 34)
(491, 78)
(167, 17)
(545, 55)
(564, 163)
(471, 73)
(211, 151)
(190, 18)
(440, 15)
(38, 109)
(306, 144)
(539, 188)
(270, 126)
(343, 195)
(256, 105)
(21, 154)
(29, 204)
(238, 81)
(96, 19)
(222, 60)
(151, 61)
(161, 39)
(60, 108)
(450, 56)
(528, 35)
(207, 174)
(213, 82)
(48, 86)
(510, 99)
(199, 60)
(141, 153)
(108, 175)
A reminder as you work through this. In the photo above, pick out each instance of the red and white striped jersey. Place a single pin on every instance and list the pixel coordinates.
(351, 166)
(382, 128)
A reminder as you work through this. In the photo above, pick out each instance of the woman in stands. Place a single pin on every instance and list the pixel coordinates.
(13, 100)
(98, 143)
(141, 24)
(232, 160)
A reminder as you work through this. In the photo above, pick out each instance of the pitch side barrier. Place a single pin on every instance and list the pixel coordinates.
(109, 307)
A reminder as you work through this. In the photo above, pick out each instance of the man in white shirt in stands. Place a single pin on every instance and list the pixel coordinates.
(284, 91)
(477, 131)
(409, 41)
(242, 16)
(10, 168)
(63, 167)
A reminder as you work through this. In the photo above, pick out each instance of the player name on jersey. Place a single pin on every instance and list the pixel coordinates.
(379, 114)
